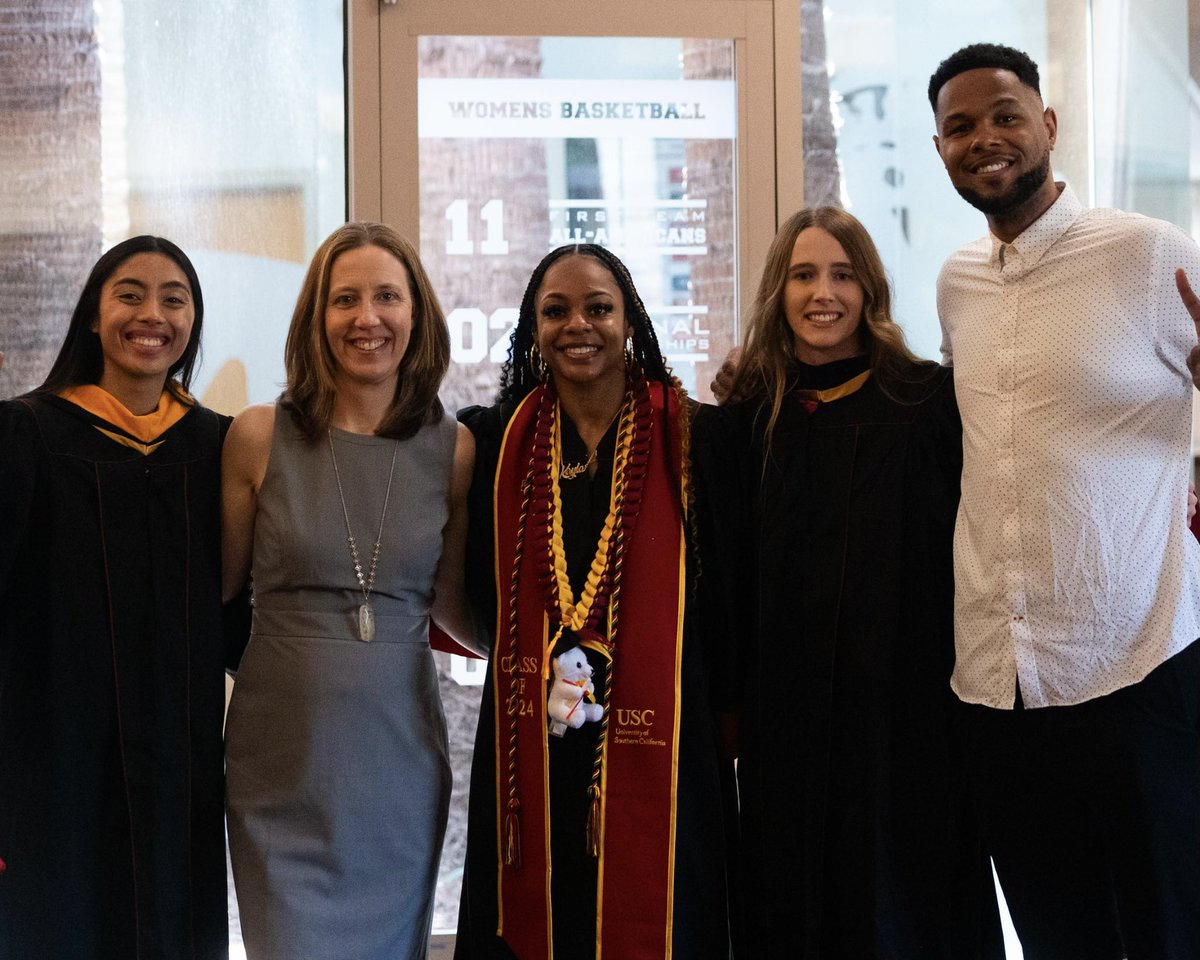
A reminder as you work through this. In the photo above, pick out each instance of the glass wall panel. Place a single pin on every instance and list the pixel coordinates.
(219, 125)
(1116, 72)
(880, 55)
(528, 143)
(236, 151)
(1142, 93)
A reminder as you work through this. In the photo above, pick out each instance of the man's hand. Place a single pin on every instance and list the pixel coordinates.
(1192, 302)
(723, 382)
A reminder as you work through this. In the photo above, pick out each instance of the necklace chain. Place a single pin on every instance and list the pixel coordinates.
(577, 614)
(569, 471)
(367, 584)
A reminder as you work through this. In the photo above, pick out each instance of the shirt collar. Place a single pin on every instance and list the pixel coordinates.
(1044, 232)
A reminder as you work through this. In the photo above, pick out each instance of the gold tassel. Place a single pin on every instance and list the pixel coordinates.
(549, 650)
(512, 837)
(593, 824)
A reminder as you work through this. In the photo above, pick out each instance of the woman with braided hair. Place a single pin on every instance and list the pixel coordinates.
(609, 838)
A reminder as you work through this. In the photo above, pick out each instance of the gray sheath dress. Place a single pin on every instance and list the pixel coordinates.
(337, 773)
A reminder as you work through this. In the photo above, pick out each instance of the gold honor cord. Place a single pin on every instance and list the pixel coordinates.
(574, 614)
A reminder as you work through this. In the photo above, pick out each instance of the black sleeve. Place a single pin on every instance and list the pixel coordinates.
(19, 442)
(723, 531)
(237, 614)
(931, 494)
(236, 621)
(487, 427)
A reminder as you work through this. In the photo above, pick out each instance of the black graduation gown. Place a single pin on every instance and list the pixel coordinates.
(111, 689)
(857, 840)
(700, 930)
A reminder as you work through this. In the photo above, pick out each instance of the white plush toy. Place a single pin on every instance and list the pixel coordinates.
(567, 704)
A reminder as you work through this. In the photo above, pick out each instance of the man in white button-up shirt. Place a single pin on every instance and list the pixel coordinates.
(1077, 582)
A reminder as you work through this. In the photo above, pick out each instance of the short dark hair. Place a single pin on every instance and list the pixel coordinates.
(984, 56)
(81, 359)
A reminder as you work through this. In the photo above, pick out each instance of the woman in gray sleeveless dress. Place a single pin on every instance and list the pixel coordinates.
(346, 500)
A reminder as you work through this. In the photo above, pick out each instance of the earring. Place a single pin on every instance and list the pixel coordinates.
(537, 364)
(630, 357)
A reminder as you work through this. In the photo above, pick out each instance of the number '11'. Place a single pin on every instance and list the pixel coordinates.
(491, 213)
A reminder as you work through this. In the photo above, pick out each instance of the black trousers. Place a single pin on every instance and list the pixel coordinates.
(1092, 816)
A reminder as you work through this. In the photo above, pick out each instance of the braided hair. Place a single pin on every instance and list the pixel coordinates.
(517, 376)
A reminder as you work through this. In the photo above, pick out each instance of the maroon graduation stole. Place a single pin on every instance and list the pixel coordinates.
(636, 622)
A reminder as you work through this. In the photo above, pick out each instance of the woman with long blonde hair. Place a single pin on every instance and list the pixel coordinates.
(854, 821)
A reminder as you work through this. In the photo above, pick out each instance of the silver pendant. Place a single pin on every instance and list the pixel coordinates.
(366, 623)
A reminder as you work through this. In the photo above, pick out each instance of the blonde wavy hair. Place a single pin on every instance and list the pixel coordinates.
(769, 352)
(309, 360)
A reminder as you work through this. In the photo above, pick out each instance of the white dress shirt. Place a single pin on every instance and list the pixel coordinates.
(1075, 571)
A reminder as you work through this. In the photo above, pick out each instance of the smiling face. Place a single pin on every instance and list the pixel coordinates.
(822, 299)
(144, 323)
(581, 327)
(368, 315)
(995, 137)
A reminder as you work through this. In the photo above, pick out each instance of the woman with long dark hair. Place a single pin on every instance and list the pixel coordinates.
(111, 679)
(596, 812)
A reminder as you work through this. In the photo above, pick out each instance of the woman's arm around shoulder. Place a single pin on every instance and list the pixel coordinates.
(243, 466)
(451, 610)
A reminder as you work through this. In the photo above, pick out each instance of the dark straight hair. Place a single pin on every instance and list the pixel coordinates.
(81, 360)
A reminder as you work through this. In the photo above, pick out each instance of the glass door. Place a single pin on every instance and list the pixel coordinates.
(504, 134)
(606, 140)
(491, 134)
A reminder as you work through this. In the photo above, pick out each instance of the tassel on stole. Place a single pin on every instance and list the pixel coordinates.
(512, 837)
(593, 821)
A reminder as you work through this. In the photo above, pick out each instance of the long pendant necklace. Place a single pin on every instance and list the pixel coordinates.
(366, 615)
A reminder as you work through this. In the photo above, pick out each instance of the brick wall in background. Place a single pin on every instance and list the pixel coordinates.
(50, 208)
(822, 186)
(710, 176)
(478, 171)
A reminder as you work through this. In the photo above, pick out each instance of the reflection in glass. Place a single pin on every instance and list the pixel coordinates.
(236, 154)
(528, 143)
